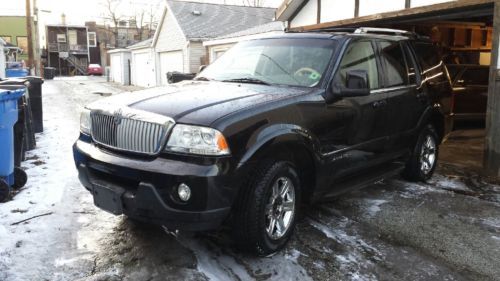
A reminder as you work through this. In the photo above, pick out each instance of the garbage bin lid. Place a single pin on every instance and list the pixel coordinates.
(11, 95)
(34, 79)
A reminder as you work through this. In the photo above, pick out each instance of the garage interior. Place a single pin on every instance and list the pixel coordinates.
(466, 32)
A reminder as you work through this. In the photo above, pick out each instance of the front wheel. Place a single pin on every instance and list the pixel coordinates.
(423, 161)
(267, 209)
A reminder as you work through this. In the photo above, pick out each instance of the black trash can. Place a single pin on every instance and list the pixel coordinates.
(49, 73)
(35, 95)
(174, 77)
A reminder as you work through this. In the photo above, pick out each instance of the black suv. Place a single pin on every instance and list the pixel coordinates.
(273, 123)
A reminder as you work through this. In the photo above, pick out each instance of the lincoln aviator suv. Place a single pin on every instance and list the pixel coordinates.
(274, 123)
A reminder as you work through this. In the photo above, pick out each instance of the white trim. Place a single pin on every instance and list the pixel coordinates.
(95, 39)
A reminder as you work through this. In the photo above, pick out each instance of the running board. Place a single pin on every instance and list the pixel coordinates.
(363, 179)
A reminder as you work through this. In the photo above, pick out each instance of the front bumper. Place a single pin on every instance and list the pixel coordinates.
(145, 189)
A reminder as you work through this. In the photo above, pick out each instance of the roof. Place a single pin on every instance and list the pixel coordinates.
(442, 11)
(142, 44)
(206, 21)
(263, 28)
(118, 50)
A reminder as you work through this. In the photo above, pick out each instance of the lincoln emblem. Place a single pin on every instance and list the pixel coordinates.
(118, 117)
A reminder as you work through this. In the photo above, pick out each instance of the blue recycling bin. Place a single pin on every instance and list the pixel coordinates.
(8, 117)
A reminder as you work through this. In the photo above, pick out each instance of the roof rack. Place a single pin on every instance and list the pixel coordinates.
(366, 30)
(387, 31)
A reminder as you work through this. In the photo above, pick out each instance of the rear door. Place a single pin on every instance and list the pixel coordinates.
(405, 101)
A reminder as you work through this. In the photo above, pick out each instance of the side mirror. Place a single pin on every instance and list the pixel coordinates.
(357, 85)
(201, 68)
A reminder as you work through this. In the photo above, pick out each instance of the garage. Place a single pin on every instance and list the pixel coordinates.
(120, 66)
(143, 69)
(466, 32)
(169, 62)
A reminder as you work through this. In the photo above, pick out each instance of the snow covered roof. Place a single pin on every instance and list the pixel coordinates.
(263, 28)
(142, 44)
(207, 20)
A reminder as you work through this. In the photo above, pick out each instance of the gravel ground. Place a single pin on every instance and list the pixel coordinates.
(446, 229)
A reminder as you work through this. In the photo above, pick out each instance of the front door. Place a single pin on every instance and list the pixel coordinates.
(354, 136)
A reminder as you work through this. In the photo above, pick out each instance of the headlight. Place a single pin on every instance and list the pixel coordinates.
(197, 140)
(85, 122)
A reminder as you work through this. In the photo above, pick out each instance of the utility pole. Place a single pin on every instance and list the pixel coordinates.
(30, 35)
(36, 42)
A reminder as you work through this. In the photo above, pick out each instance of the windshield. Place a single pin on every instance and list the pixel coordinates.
(290, 61)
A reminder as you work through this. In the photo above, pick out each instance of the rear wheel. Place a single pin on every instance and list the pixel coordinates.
(423, 161)
(20, 178)
(267, 209)
(4, 190)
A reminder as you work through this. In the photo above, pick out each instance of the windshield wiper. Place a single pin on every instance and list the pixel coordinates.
(202, 78)
(247, 80)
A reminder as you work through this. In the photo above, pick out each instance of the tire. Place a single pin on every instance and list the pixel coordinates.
(267, 209)
(4, 190)
(423, 160)
(20, 178)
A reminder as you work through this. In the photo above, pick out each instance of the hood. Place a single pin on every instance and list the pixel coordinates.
(198, 102)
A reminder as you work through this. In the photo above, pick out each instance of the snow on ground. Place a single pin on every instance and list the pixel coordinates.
(393, 230)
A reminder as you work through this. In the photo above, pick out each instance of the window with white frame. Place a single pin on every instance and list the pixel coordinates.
(92, 39)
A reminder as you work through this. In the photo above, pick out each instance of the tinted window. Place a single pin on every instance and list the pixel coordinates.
(475, 76)
(427, 55)
(359, 56)
(393, 56)
(453, 70)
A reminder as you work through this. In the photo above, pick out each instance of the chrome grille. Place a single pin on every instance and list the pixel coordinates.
(127, 134)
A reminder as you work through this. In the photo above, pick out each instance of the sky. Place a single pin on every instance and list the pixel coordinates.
(79, 11)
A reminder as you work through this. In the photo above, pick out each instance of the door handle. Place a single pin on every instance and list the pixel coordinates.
(379, 103)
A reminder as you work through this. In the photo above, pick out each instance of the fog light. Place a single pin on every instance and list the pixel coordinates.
(184, 192)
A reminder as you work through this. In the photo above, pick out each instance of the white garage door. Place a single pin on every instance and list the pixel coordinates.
(116, 68)
(143, 70)
(170, 61)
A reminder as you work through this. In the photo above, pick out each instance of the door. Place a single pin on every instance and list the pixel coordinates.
(143, 70)
(356, 136)
(170, 61)
(116, 68)
(406, 103)
(471, 93)
(72, 40)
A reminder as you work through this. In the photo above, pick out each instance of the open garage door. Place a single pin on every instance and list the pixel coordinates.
(143, 70)
(170, 61)
(467, 32)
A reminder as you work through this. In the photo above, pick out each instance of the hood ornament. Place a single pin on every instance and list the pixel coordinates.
(118, 117)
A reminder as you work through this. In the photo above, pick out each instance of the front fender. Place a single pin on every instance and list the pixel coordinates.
(280, 134)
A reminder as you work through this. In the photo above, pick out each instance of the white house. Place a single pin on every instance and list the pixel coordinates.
(218, 46)
(142, 64)
(177, 43)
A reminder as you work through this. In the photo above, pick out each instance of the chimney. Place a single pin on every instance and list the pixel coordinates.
(63, 19)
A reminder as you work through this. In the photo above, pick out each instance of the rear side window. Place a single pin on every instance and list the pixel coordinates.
(393, 57)
(475, 76)
(359, 56)
(410, 65)
(427, 55)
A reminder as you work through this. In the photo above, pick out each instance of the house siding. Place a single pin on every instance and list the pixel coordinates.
(197, 52)
(170, 36)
